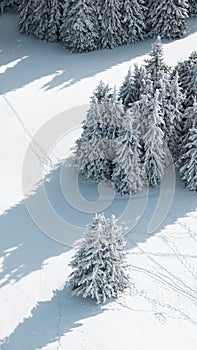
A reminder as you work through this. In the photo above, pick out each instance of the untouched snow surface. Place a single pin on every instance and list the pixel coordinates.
(44, 92)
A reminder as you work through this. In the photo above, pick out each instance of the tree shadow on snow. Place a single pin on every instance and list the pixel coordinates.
(25, 248)
(51, 320)
(30, 59)
(165, 205)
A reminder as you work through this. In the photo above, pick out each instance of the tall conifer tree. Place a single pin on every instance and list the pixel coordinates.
(111, 25)
(133, 20)
(188, 169)
(79, 29)
(154, 157)
(167, 18)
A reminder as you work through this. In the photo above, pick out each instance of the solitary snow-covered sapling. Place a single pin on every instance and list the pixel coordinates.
(99, 269)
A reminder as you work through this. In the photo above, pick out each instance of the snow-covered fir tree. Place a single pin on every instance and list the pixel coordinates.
(190, 117)
(140, 76)
(191, 89)
(133, 86)
(141, 108)
(173, 117)
(167, 111)
(79, 29)
(133, 20)
(147, 14)
(94, 150)
(155, 65)
(183, 68)
(188, 169)
(111, 31)
(144, 107)
(187, 72)
(126, 90)
(92, 160)
(167, 18)
(99, 264)
(192, 7)
(90, 153)
(48, 16)
(55, 20)
(102, 92)
(128, 176)
(154, 157)
(113, 114)
(193, 57)
(26, 19)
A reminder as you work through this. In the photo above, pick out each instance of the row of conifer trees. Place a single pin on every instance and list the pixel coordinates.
(130, 137)
(86, 25)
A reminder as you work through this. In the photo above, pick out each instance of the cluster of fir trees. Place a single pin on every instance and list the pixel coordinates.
(99, 264)
(86, 25)
(130, 137)
(109, 148)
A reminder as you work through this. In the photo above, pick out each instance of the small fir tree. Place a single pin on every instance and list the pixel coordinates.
(167, 18)
(155, 65)
(99, 263)
(102, 92)
(193, 57)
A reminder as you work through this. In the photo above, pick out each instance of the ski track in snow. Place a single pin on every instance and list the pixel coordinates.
(44, 159)
(167, 278)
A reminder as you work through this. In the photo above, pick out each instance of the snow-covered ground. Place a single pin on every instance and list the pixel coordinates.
(44, 92)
